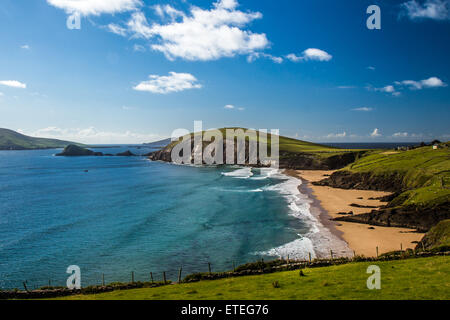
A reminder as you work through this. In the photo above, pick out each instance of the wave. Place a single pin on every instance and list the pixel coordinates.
(242, 173)
(239, 190)
(319, 240)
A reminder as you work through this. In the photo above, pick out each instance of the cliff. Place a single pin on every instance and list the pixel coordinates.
(293, 154)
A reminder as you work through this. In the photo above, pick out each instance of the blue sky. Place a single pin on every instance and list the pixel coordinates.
(137, 70)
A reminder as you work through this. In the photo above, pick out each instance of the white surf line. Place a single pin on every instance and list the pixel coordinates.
(319, 240)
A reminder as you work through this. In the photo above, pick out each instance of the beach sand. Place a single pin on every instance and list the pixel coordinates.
(361, 238)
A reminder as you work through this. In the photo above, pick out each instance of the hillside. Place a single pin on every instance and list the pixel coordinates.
(419, 178)
(294, 154)
(437, 239)
(11, 140)
(341, 282)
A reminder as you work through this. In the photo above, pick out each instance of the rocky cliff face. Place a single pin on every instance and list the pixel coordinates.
(413, 217)
(309, 161)
(296, 161)
(363, 181)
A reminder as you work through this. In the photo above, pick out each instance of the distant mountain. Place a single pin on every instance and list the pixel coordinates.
(159, 144)
(12, 140)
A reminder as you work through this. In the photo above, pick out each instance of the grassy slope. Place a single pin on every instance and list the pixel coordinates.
(438, 237)
(425, 172)
(424, 278)
(295, 146)
(11, 139)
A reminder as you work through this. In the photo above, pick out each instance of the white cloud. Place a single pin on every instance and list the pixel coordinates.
(95, 7)
(430, 9)
(232, 107)
(400, 134)
(114, 28)
(346, 87)
(371, 68)
(25, 47)
(201, 34)
(375, 133)
(168, 10)
(388, 89)
(174, 82)
(1, 94)
(92, 135)
(139, 48)
(432, 82)
(310, 54)
(364, 109)
(337, 135)
(256, 55)
(13, 84)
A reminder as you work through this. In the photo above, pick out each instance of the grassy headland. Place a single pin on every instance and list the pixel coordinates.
(11, 140)
(294, 154)
(419, 178)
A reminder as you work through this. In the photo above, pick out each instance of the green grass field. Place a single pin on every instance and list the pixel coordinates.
(425, 173)
(421, 278)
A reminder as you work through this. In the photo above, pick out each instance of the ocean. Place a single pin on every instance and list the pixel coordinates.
(113, 216)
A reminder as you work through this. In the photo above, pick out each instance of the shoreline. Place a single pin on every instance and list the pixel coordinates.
(362, 239)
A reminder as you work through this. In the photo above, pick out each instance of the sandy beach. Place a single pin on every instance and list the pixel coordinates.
(361, 238)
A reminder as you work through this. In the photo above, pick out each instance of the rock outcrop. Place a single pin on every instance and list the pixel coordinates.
(127, 153)
(363, 181)
(76, 151)
(413, 217)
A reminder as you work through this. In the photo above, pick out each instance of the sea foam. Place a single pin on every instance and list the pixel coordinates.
(319, 240)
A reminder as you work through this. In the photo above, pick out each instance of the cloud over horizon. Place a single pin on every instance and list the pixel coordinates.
(92, 135)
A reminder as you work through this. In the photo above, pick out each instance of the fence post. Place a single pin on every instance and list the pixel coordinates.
(377, 252)
(164, 277)
(103, 279)
(179, 275)
(331, 254)
(234, 267)
(25, 285)
(309, 253)
(209, 267)
(288, 259)
(401, 246)
(151, 277)
(132, 276)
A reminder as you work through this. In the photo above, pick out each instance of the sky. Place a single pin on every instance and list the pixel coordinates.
(136, 70)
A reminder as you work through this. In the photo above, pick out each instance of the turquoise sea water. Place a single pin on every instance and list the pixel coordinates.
(129, 214)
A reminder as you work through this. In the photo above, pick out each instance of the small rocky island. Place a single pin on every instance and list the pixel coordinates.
(77, 151)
